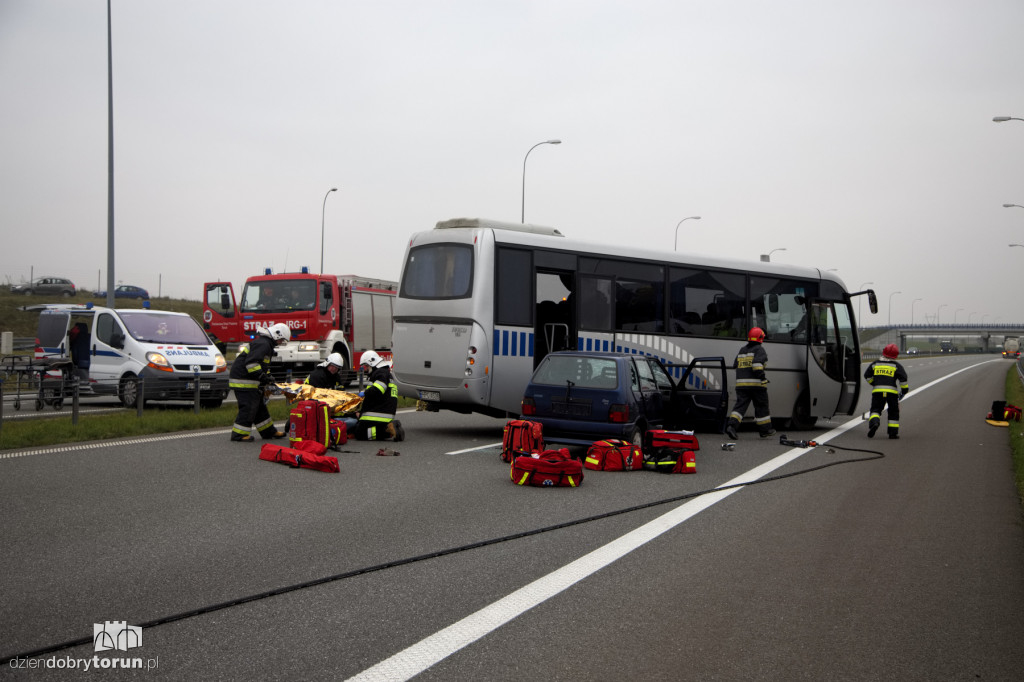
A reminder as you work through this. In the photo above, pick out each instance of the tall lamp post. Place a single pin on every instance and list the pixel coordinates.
(861, 288)
(890, 305)
(1004, 119)
(954, 314)
(1012, 206)
(767, 257)
(522, 215)
(938, 313)
(675, 246)
(912, 310)
(323, 211)
(1022, 245)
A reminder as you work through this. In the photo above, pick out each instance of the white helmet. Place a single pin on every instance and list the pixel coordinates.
(336, 360)
(276, 332)
(370, 358)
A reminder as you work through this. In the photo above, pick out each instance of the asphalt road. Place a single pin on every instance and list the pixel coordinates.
(907, 567)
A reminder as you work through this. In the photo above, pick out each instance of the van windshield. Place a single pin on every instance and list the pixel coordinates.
(158, 328)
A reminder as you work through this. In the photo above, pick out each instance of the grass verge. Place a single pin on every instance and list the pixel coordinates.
(1015, 396)
(43, 431)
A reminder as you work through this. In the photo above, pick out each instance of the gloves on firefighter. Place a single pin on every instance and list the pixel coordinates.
(903, 393)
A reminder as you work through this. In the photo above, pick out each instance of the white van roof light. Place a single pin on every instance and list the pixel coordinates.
(456, 223)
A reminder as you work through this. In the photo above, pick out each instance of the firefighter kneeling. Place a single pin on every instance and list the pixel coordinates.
(380, 401)
(889, 384)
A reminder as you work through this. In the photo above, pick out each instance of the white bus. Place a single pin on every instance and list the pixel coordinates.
(480, 302)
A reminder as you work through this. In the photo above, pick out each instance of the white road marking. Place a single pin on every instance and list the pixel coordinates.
(435, 648)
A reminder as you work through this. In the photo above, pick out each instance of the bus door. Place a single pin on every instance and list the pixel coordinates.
(833, 365)
(554, 317)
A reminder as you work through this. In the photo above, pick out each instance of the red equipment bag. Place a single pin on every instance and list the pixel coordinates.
(657, 439)
(547, 469)
(1011, 413)
(614, 455)
(298, 458)
(521, 437)
(671, 461)
(310, 420)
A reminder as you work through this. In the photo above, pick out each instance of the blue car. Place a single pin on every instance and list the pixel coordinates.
(580, 397)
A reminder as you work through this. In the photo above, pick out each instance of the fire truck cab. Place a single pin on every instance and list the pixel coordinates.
(344, 314)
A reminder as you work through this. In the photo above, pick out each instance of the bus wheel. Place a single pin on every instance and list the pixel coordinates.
(801, 419)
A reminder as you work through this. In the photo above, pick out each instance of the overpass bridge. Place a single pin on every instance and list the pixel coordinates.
(979, 337)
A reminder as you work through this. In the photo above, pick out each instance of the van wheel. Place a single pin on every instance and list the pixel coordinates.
(128, 391)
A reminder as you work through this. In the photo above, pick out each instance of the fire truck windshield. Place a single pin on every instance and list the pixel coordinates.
(279, 296)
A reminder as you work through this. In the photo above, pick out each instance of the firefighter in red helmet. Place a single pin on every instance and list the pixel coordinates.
(751, 386)
(889, 384)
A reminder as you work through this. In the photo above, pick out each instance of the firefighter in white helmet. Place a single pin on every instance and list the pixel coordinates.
(329, 373)
(250, 374)
(380, 401)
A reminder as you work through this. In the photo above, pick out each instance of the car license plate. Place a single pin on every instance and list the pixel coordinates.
(434, 396)
(203, 386)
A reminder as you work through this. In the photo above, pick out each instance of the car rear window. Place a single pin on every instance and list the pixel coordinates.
(583, 372)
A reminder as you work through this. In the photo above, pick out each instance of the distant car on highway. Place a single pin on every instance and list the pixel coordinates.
(125, 291)
(912, 350)
(56, 286)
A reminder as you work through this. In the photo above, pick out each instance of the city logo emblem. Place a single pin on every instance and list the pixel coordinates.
(116, 635)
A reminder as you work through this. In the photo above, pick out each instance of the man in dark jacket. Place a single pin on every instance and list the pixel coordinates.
(751, 386)
(889, 383)
(328, 373)
(250, 374)
(380, 402)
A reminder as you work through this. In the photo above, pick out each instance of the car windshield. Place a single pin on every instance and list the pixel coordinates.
(582, 371)
(158, 328)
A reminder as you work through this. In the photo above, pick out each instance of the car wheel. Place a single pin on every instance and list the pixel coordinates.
(635, 435)
(28, 292)
(66, 294)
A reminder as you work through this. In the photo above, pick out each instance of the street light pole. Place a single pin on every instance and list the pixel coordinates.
(1012, 206)
(912, 310)
(938, 313)
(1004, 119)
(767, 257)
(323, 211)
(861, 288)
(522, 215)
(675, 246)
(954, 314)
(890, 305)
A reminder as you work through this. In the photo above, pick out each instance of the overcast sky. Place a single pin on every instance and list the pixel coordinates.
(856, 136)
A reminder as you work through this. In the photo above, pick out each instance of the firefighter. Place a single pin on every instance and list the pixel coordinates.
(328, 373)
(889, 384)
(250, 375)
(380, 401)
(751, 386)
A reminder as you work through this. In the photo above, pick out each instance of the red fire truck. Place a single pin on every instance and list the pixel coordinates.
(345, 314)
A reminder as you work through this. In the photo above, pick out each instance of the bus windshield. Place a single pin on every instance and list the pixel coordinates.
(279, 296)
(438, 271)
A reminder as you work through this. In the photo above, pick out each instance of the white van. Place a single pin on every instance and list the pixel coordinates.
(115, 348)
